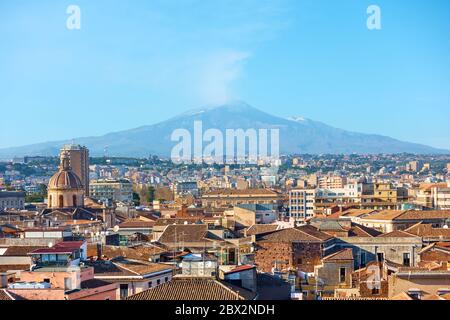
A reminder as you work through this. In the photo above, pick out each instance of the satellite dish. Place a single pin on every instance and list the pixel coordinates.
(446, 227)
(50, 244)
(116, 228)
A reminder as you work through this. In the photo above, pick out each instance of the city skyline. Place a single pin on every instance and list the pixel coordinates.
(156, 61)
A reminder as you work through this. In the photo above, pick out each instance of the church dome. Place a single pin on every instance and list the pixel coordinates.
(65, 178)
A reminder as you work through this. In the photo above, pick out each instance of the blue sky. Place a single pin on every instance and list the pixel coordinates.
(139, 62)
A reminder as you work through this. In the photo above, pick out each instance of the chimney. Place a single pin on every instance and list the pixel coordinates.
(99, 251)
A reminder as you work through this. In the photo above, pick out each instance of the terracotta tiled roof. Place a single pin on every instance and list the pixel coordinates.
(358, 230)
(194, 289)
(94, 283)
(426, 230)
(385, 215)
(184, 233)
(428, 186)
(261, 228)
(21, 250)
(397, 234)
(346, 254)
(234, 192)
(304, 233)
(401, 296)
(433, 297)
(125, 267)
(356, 212)
(60, 247)
(240, 268)
(422, 215)
(4, 295)
(137, 224)
(13, 267)
(137, 252)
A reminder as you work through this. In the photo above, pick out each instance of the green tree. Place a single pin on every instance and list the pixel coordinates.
(136, 199)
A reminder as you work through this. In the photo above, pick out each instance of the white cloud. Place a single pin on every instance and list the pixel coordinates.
(217, 74)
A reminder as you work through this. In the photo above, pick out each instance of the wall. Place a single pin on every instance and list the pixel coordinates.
(329, 272)
(303, 256)
(39, 294)
(430, 285)
(392, 247)
(244, 217)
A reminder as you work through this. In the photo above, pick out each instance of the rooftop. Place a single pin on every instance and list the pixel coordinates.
(196, 289)
(304, 233)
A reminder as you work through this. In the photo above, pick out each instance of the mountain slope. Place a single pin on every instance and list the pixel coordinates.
(297, 135)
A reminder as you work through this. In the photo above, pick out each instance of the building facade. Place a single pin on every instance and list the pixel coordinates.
(79, 161)
(12, 200)
(116, 190)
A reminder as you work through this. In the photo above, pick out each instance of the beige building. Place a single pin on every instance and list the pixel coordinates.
(335, 272)
(419, 283)
(65, 189)
(392, 220)
(333, 182)
(414, 166)
(434, 196)
(232, 197)
(79, 161)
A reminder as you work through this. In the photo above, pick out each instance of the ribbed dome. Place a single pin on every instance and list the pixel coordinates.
(65, 178)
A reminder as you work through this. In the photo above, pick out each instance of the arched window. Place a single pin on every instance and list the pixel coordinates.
(61, 202)
(50, 201)
(74, 200)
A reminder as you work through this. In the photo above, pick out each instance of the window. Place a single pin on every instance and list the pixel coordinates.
(407, 259)
(380, 257)
(123, 291)
(166, 279)
(150, 284)
(67, 284)
(342, 274)
(363, 259)
(74, 200)
(375, 290)
(158, 282)
(61, 202)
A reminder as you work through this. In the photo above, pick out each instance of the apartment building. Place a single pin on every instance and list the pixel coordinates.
(301, 204)
(232, 197)
(117, 190)
(434, 196)
(79, 162)
(12, 200)
(332, 182)
(384, 192)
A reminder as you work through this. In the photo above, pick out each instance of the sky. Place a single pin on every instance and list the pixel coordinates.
(140, 62)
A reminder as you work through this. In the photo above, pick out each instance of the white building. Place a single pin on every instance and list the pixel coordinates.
(301, 204)
(12, 200)
(117, 190)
